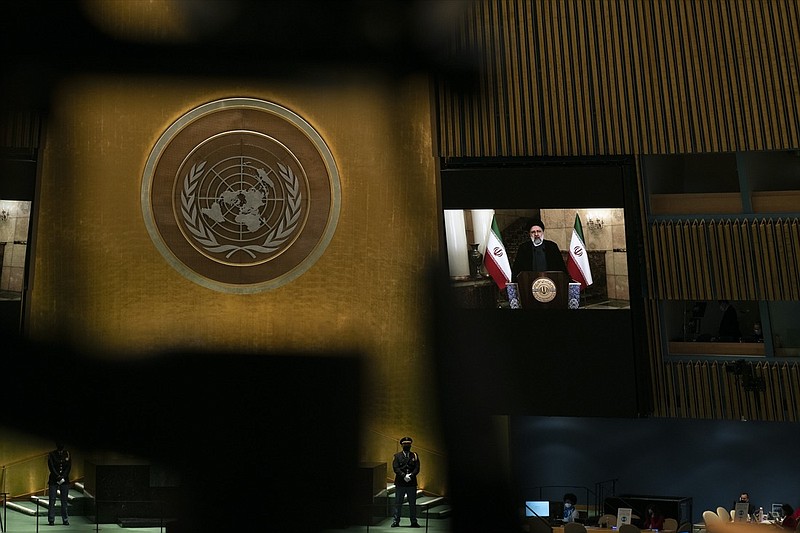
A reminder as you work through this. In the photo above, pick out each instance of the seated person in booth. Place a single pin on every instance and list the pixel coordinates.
(791, 517)
(729, 324)
(653, 519)
(570, 512)
(744, 497)
(537, 254)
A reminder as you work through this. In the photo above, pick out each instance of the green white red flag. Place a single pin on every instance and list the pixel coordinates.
(578, 261)
(495, 259)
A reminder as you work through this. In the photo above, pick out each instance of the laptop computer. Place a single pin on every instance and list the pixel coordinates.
(540, 508)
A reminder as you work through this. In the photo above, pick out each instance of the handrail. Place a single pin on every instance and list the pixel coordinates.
(600, 496)
(99, 503)
(584, 488)
(4, 520)
(396, 441)
(13, 464)
(20, 461)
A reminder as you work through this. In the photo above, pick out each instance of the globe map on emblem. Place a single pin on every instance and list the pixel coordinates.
(239, 206)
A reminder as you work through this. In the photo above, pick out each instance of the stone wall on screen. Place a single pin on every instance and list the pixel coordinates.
(605, 243)
(14, 221)
(604, 235)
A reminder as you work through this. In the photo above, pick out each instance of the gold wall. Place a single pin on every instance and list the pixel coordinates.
(23, 458)
(99, 283)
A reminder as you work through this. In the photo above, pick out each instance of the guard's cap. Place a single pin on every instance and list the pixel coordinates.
(406, 440)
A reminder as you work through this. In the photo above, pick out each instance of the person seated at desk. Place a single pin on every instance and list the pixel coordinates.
(790, 516)
(570, 512)
(744, 497)
(653, 519)
(729, 324)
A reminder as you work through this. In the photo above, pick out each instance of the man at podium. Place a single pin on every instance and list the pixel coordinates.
(537, 254)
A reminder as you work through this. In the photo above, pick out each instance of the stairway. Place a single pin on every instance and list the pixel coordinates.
(38, 505)
(428, 506)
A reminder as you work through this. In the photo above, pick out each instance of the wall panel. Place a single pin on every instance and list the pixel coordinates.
(574, 77)
(102, 287)
(730, 259)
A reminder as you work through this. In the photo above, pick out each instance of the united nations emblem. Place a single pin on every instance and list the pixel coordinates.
(241, 195)
(543, 289)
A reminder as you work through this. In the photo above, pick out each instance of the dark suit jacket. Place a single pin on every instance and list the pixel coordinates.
(403, 465)
(59, 463)
(524, 259)
(729, 326)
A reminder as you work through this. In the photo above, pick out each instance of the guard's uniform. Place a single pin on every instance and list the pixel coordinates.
(59, 463)
(405, 465)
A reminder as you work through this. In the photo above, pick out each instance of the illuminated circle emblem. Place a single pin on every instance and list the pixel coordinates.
(241, 195)
(543, 289)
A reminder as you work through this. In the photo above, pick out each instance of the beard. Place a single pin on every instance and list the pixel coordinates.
(537, 241)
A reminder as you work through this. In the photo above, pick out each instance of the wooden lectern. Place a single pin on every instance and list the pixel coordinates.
(543, 290)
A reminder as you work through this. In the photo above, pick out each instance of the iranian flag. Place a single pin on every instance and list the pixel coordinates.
(495, 258)
(578, 261)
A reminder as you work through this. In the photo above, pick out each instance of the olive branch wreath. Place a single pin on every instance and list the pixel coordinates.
(275, 237)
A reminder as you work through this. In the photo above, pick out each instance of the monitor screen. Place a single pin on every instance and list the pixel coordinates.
(537, 508)
(588, 244)
(588, 213)
(487, 205)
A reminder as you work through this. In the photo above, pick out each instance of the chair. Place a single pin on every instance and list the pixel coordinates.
(670, 524)
(574, 527)
(538, 525)
(628, 528)
(724, 514)
(609, 520)
(712, 520)
(685, 527)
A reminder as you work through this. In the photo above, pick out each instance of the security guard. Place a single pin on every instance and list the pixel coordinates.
(406, 470)
(59, 463)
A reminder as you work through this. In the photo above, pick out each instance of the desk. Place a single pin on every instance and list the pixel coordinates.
(475, 293)
(700, 527)
(594, 529)
(751, 349)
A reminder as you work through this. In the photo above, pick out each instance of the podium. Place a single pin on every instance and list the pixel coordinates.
(543, 290)
(372, 498)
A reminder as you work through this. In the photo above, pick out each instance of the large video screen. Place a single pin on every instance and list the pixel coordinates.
(576, 213)
(587, 244)
(539, 344)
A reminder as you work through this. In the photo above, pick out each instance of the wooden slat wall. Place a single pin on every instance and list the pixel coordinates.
(581, 77)
(707, 390)
(730, 259)
(19, 130)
